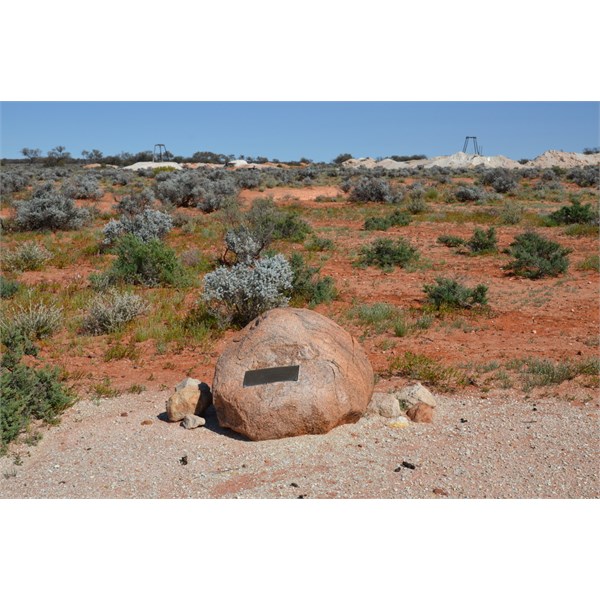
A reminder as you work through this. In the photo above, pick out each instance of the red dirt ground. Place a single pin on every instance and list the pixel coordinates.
(554, 318)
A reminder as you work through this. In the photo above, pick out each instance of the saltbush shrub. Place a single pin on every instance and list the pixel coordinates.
(147, 225)
(50, 210)
(136, 203)
(373, 189)
(82, 187)
(29, 256)
(470, 193)
(240, 293)
(512, 213)
(536, 256)
(449, 293)
(34, 320)
(588, 176)
(243, 244)
(501, 180)
(110, 312)
(386, 254)
(13, 181)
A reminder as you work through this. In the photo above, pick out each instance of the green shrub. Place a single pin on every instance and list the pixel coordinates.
(576, 213)
(449, 293)
(537, 257)
(8, 288)
(395, 219)
(591, 263)
(150, 264)
(452, 241)
(289, 226)
(307, 286)
(319, 244)
(483, 241)
(27, 393)
(386, 254)
(377, 224)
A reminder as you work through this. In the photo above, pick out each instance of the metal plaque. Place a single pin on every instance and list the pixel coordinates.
(272, 375)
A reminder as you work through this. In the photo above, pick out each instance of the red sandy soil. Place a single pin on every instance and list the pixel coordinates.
(554, 318)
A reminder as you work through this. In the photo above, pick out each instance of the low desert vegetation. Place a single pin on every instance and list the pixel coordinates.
(387, 254)
(448, 293)
(150, 268)
(536, 256)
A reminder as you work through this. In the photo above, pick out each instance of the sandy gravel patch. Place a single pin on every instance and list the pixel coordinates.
(495, 447)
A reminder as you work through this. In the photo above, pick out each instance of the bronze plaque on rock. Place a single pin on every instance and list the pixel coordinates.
(271, 375)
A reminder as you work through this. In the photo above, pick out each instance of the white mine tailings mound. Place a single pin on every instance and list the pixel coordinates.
(567, 160)
(460, 160)
(153, 165)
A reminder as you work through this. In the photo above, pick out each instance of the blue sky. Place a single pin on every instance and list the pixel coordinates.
(290, 130)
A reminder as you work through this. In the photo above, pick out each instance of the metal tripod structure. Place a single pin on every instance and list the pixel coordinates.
(160, 153)
(476, 147)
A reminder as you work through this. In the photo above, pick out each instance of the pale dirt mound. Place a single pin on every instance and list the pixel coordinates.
(566, 160)
(462, 160)
(454, 161)
(152, 165)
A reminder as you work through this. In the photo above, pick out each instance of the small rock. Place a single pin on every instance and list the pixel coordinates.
(399, 423)
(420, 413)
(193, 421)
(294, 485)
(463, 420)
(384, 405)
(191, 396)
(405, 464)
(440, 492)
(413, 394)
(146, 422)
(183, 460)
(124, 414)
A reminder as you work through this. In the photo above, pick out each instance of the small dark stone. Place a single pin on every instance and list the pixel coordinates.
(397, 469)
(88, 448)
(408, 465)
(534, 408)
(463, 420)
(124, 414)
(294, 485)
(301, 496)
(183, 460)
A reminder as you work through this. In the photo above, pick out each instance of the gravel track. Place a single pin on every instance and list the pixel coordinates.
(494, 447)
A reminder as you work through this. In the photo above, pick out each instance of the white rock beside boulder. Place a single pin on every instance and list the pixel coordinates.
(384, 405)
(413, 394)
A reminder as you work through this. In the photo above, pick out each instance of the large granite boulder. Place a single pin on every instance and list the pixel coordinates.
(334, 377)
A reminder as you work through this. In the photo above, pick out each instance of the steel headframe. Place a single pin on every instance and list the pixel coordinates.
(160, 153)
(475, 144)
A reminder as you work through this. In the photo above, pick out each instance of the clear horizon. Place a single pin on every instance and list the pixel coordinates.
(291, 130)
